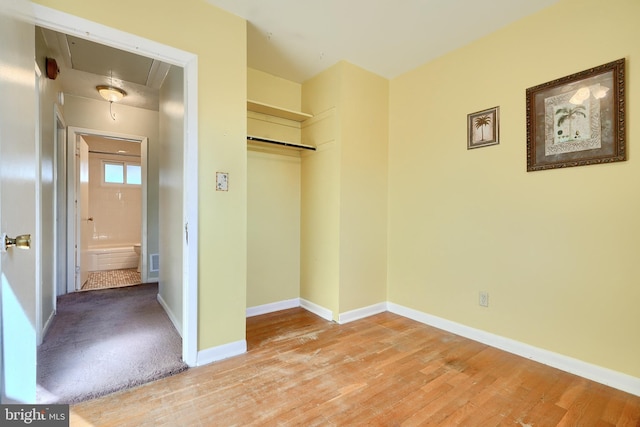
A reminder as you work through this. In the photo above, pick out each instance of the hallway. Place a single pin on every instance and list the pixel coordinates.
(105, 341)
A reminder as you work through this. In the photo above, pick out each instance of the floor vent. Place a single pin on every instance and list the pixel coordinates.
(155, 263)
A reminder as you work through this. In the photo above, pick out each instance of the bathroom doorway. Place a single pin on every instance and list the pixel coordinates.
(109, 225)
(114, 256)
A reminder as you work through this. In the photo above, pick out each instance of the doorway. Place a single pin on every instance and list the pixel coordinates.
(79, 27)
(109, 227)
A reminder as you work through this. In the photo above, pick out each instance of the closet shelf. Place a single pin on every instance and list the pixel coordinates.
(271, 110)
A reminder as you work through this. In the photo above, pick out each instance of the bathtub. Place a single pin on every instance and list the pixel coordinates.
(110, 258)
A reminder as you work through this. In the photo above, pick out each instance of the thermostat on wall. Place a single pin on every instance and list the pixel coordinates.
(222, 181)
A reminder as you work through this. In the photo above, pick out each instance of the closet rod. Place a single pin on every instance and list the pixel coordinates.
(286, 144)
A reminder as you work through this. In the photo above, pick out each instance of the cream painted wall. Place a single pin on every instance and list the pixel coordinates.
(219, 40)
(273, 228)
(556, 250)
(94, 114)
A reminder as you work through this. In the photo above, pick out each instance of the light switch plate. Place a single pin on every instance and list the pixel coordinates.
(222, 181)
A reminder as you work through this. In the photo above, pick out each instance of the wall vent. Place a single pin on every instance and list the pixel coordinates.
(154, 261)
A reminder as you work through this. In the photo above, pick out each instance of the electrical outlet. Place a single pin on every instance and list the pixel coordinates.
(484, 299)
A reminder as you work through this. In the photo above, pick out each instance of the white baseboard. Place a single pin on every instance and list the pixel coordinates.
(361, 313)
(176, 324)
(46, 326)
(221, 352)
(316, 309)
(618, 380)
(605, 376)
(273, 307)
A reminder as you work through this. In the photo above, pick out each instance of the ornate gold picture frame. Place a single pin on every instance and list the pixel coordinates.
(577, 120)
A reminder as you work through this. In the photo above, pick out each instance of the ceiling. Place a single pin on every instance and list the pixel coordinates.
(296, 39)
(84, 65)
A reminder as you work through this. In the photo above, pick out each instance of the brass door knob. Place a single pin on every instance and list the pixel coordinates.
(23, 241)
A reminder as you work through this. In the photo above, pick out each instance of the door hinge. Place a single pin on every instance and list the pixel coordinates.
(186, 232)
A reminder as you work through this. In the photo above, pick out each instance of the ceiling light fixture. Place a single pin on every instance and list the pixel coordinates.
(110, 93)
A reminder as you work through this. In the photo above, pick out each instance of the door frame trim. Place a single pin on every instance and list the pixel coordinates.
(59, 175)
(37, 239)
(73, 25)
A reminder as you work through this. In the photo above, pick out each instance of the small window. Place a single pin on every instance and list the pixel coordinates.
(122, 173)
(114, 173)
(134, 174)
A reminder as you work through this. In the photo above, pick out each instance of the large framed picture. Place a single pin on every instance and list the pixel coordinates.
(578, 119)
(483, 128)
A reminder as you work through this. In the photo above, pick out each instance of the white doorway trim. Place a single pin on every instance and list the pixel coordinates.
(73, 25)
(37, 239)
(60, 200)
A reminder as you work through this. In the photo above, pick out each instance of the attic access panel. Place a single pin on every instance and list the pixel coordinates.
(99, 59)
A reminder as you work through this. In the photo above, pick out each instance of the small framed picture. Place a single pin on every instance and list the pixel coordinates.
(577, 120)
(483, 128)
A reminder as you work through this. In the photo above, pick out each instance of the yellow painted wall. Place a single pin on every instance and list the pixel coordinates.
(276, 91)
(556, 250)
(364, 100)
(320, 207)
(273, 195)
(344, 189)
(344, 192)
(273, 228)
(219, 40)
(273, 90)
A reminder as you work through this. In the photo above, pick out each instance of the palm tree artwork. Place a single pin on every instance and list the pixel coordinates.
(569, 114)
(480, 122)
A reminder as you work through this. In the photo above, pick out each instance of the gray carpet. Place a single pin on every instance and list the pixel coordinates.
(106, 340)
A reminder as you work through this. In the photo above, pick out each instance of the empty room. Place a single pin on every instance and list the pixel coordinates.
(417, 213)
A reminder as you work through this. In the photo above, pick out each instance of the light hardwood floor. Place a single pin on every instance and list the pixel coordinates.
(386, 370)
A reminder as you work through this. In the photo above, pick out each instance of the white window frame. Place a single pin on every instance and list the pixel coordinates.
(124, 165)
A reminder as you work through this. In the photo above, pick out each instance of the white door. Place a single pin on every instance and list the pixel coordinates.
(84, 223)
(18, 170)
